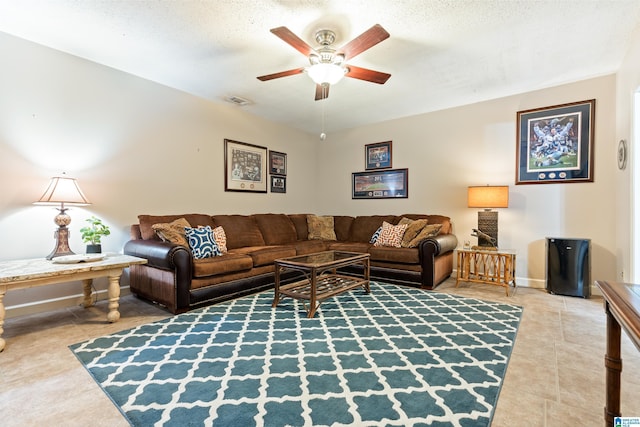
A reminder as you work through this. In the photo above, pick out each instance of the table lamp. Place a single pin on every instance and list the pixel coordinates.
(65, 191)
(488, 197)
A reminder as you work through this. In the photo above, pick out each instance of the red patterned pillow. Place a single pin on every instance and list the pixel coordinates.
(391, 235)
(221, 238)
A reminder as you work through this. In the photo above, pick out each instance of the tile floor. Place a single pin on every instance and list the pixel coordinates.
(556, 375)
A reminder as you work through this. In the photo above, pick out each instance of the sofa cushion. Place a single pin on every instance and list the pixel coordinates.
(321, 227)
(264, 255)
(241, 230)
(300, 223)
(147, 221)
(173, 231)
(429, 230)
(276, 229)
(363, 227)
(350, 247)
(221, 238)
(228, 263)
(342, 226)
(414, 227)
(375, 236)
(201, 242)
(391, 235)
(441, 219)
(395, 255)
(305, 247)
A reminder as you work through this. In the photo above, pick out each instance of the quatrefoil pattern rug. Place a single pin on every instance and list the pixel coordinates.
(398, 356)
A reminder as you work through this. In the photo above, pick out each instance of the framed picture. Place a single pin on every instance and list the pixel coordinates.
(387, 184)
(555, 144)
(377, 156)
(278, 184)
(277, 163)
(245, 167)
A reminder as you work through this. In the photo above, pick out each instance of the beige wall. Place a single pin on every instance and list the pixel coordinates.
(628, 85)
(134, 146)
(446, 151)
(138, 147)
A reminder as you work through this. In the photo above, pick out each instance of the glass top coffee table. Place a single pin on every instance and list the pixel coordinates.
(321, 279)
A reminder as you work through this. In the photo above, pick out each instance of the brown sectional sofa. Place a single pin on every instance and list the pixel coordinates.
(173, 278)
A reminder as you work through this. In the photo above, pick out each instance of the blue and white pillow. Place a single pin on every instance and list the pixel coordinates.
(375, 236)
(201, 242)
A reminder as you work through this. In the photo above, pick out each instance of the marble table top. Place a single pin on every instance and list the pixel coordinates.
(37, 268)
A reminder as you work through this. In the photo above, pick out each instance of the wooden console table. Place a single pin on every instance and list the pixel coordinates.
(493, 267)
(28, 273)
(622, 306)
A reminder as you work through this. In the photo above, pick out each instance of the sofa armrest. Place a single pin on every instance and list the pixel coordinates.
(436, 259)
(163, 255)
(440, 244)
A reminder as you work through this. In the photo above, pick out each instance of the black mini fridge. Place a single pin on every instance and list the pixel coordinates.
(569, 267)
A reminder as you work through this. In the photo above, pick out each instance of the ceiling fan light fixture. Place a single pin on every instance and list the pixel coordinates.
(326, 73)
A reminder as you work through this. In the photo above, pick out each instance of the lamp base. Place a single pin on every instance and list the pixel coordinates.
(62, 243)
(488, 223)
(61, 235)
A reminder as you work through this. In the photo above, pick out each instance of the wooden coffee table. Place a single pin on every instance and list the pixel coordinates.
(321, 279)
(29, 273)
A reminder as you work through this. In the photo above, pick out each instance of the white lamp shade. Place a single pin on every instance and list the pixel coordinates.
(496, 196)
(326, 73)
(63, 190)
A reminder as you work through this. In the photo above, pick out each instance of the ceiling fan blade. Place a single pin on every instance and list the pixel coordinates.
(364, 41)
(322, 92)
(296, 42)
(281, 74)
(367, 75)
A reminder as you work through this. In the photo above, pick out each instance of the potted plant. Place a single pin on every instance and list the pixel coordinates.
(92, 234)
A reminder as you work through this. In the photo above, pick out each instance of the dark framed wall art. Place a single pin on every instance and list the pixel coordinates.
(378, 155)
(245, 167)
(278, 184)
(277, 163)
(555, 144)
(391, 183)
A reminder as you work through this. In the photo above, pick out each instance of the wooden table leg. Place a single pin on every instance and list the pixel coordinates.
(613, 365)
(86, 287)
(459, 272)
(367, 286)
(276, 294)
(313, 283)
(2, 341)
(114, 297)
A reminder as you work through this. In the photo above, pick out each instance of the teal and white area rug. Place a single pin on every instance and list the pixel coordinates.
(399, 356)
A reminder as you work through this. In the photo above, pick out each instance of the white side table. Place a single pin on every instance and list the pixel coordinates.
(28, 273)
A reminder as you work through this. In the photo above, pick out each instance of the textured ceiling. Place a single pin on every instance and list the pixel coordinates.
(441, 53)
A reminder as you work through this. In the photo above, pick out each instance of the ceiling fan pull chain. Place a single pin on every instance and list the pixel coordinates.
(323, 135)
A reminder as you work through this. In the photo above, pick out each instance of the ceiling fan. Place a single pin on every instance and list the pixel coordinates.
(328, 65)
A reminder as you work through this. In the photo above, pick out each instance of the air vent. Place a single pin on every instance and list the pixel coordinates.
(237, 100)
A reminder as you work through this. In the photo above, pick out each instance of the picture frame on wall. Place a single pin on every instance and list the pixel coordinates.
(555, 144)
(245, 167)
(378, 155)
(387, 184)
(278, 184)
(277, 162)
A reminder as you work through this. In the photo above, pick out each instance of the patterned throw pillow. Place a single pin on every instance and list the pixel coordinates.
(375, 236)
(173, 231)
(391, 235)
(414, 227)
(221, 238)
(320, 227)
(201, 242)
(428, 231)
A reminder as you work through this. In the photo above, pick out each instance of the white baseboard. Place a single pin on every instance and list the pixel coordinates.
(57, 303)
